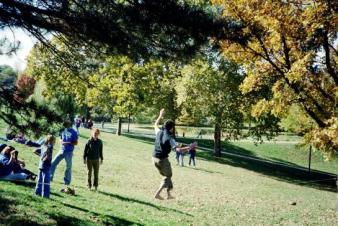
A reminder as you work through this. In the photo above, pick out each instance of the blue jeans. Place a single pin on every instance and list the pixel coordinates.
(68, 156)
(43, 184)
(15, 176)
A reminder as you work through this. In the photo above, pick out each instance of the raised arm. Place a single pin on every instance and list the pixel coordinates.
(157, 122)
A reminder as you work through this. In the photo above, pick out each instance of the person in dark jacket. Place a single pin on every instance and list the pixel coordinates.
(93, 157)
(163, 144)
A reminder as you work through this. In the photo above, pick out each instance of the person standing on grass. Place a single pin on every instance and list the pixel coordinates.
(68, 139)
(163, 144)
(93, 157)
(192, 154)
(78, 124)
(43, 185)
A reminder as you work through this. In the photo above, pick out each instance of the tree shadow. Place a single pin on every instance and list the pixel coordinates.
(31, 184)
(278, 169)
(105, 219)
(122, 198)
(204, 170)
(282, 172)
(10, 215)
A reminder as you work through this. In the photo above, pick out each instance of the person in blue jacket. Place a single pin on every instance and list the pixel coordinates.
(68, 139)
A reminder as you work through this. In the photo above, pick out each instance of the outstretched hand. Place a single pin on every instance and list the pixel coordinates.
(162, 112)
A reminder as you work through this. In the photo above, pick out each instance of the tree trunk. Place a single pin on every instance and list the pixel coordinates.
(217, 139)
(128, 122)
(119, 126)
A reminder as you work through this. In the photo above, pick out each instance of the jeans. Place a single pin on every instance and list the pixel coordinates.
(15, 176)
(43, 184)
(192, 159)
(68, 156)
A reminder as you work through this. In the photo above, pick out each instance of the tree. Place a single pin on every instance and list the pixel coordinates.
(24, 88)
(291, 53)
(137, 28)
(212, 89)
(7, 76)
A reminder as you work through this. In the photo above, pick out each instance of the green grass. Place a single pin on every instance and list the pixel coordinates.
(283, 148)
(227, 192)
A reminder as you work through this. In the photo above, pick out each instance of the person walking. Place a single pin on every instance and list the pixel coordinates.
(93, 157)
(68, 139)
(163, 144)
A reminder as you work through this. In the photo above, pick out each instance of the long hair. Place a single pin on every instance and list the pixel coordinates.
(50, 139)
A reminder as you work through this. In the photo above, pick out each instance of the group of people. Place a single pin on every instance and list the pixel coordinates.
(93, 157)
(11, 168)
(78, 121)
(180, 156)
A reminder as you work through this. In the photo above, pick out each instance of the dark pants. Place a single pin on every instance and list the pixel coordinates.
(93, 165)
(192, 159)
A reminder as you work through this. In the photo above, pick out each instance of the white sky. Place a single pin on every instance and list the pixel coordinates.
(18, 59)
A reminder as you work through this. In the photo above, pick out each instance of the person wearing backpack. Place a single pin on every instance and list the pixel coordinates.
(163, 144)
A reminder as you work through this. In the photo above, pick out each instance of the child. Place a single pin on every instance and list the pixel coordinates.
(93, 157)
(192, 153)
(180, 155)
(43, 185)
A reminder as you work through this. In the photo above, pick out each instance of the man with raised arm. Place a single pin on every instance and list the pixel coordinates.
(163, 144)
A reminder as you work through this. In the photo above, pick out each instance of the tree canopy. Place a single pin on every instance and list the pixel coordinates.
(291, 53)
(286, 48)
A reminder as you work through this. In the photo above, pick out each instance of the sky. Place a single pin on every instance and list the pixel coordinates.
(18, 59)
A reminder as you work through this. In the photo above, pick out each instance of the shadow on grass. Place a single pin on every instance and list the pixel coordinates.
(10, 213)
(287, 172)
(141, 202)
(31, 184)
(313, 179)
(105, 219)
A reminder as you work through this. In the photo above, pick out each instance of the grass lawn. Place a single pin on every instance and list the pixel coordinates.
(213, 193)
(283, 149)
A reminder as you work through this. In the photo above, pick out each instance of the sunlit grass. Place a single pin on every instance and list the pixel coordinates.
(210, 194)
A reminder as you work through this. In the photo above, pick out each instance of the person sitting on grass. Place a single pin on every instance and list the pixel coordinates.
(43, 184)
(11, 168)
(163, 144)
